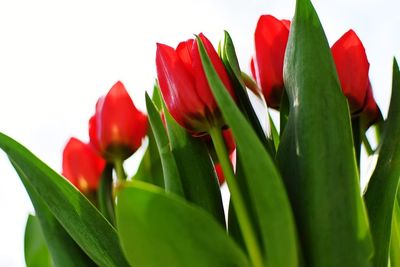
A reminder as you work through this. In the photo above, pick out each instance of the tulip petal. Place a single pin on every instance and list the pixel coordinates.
(352, 67)
(271, 37)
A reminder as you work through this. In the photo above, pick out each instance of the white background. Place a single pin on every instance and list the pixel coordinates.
(58, 57)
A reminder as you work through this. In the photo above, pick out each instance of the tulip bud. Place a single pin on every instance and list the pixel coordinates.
(117, 128)
(352, 67)
(185, 88)
(270, 38)
(81, 165)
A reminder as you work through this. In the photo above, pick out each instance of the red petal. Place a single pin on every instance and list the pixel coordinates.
(371, 112)
(177, 86)
(352, 67)
(253, 68)
(81, 165)
(271, 37)
(119, 123)
(202, 86)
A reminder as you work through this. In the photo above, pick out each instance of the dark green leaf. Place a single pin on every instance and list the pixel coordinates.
(197, 173)
(231, 63)
(316, 155)
(381, 193)
(164, 230)
(172, 179)
(395, 236)
(83, 222)
(265, 188)
(36, 251)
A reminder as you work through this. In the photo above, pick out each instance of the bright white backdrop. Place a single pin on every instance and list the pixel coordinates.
(58, 57)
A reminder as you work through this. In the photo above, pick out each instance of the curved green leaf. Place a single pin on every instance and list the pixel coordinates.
(380, 196)
(83, 222)
(36, 251)
(265, 188)
(172, 179)
(198, 177)
(316, 155)
(164, 230)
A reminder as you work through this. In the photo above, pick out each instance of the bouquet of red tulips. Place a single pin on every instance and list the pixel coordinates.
(295, 196)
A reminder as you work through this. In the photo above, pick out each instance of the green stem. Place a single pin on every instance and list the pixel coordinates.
(105, 196)
(249, 235)
(367, 145)
(119, 170)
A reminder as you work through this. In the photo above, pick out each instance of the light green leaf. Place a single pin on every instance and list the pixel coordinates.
(316, 155)
(164, 230)
(172, 179)
(198, 177)
(36, 251)
(265, 188)
(380, 196)
(83, 222)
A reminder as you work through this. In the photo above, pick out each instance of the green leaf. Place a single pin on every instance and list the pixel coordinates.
(197, 173)
(266, 190)
(83, 222)
(382, 187)
(231, 63)
(172, 179)
(63, 249)
(164, 230)
(316, 155)
(36, 251)
(150, 168)
(395, 237)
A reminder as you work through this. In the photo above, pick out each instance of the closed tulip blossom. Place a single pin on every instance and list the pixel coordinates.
(117, 128)
(81, 165)
(184, 85)
(271, 36)
(352, 67)
(371, 112)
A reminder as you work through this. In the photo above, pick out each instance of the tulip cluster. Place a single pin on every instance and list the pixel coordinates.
(295, 195)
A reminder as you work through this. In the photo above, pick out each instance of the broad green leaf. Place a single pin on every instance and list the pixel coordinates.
(162, 229)
(265, 188)
(382, 187)
(395, 236)
(316, 155)
(63, 249)
(172, 179)
(36, 251)
(198, 177)
(231, 63)
(83, 222)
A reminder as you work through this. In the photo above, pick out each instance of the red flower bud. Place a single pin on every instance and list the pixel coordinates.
(117, 128)
(184, 85)
(270, 38)
(81, 165)
(352, 67)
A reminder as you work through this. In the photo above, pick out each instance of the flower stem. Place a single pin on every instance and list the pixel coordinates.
(119, 170)
(238, 202)
(367, 145)
(105, 198)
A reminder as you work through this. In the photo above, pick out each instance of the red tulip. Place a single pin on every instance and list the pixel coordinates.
(81, 165)
(371, 112)
(270, 38)
(117, 128)
(185, 88)
(352, 67)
